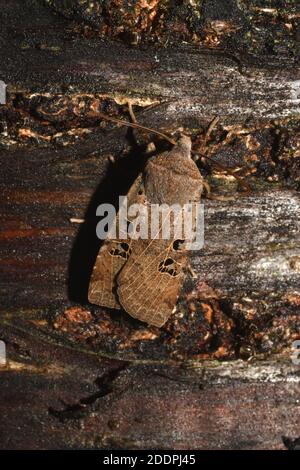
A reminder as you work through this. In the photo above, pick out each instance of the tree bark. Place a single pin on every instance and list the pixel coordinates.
(219, 374)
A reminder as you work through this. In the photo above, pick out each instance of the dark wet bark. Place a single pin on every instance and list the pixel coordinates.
(221, 378)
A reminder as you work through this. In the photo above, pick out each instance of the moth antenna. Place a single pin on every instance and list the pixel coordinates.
(135, 125)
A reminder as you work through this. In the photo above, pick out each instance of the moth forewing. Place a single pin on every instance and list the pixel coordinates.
(111, 258)
(150, 282)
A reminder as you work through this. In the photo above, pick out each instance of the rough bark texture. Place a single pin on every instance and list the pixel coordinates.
(219, 374)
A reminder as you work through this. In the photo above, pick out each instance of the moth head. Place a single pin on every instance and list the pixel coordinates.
(184, 144)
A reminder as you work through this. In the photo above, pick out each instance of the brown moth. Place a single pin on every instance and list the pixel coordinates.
(144, 276)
